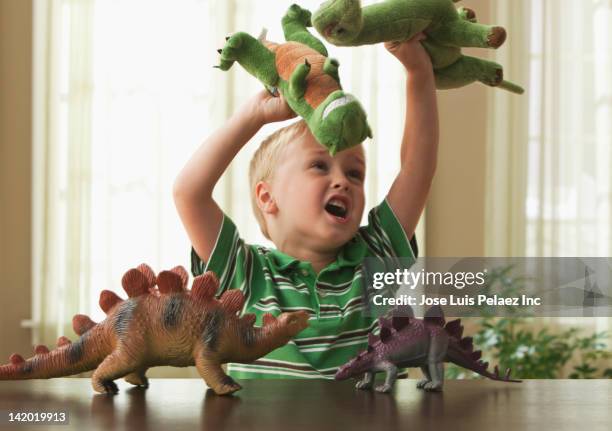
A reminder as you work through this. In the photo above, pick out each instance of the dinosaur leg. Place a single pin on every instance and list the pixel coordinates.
(118, 364)
(295, 22)
(367, 381)
(215, 377)
(421, 384)
(442, 56)
(436, 372)
(468, 34)
(467, 70)
(258, 60)
(330, 67)
(435, 363)
(390, 377)
(297, 81)
(138, 378)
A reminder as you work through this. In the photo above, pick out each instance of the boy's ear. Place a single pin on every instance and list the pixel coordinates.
(265, 201)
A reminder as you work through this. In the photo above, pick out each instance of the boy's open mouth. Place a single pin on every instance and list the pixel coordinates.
(337, 207)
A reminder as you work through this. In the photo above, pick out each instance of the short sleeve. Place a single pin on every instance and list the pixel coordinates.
(385, 236)
(227, 260)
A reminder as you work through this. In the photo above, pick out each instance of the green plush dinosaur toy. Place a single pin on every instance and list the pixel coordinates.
(346, 23)
(306, 77)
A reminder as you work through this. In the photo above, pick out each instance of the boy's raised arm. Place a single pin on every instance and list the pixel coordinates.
(419, 150)
(194, 185)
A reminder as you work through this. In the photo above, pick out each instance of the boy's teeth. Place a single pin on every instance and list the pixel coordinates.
(337, 203)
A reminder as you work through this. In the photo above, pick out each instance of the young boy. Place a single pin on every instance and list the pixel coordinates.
(309, 205)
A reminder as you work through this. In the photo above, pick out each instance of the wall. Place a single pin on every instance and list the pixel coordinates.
(455, 211)
(15, 174)
(455, 218)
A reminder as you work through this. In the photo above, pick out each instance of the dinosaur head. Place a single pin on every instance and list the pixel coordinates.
(340, 122)
(355, 367)
(279, 330)
(292, 323)
(339, 21)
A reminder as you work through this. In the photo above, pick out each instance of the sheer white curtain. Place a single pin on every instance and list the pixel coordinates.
(550, 150)
(125, 92)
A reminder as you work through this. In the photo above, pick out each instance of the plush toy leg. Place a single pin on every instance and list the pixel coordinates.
(297, 81)
(467, 70)
(468, 34)
(330, 67)
(442, 56)
(258, 60)
(295, 22)
(138, 378)
(215, 378)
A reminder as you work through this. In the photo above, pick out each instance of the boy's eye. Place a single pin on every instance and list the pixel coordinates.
(358, 175)
(319, 165)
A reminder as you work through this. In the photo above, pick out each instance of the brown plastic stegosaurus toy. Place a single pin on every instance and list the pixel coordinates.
(161, 323)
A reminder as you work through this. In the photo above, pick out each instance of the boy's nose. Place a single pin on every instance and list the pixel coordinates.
(340, 184)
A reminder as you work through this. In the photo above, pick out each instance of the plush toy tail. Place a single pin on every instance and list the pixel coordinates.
(510, 86)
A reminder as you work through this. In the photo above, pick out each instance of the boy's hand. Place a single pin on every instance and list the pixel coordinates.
(411, 53)
(269, 109)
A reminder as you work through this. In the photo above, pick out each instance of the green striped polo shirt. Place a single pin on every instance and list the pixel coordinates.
(274, 282)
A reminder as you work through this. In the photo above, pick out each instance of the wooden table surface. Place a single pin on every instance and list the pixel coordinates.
(185, 404)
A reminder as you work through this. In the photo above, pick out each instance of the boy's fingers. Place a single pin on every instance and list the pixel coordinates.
(418, 37)
(392, 45)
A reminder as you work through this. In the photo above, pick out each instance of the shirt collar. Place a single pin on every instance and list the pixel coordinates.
(350, 255)
(280, 261)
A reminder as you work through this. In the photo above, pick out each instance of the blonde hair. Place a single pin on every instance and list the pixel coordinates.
(265, 160)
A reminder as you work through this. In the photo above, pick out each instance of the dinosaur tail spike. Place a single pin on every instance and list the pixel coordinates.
(232, 301)
(169, 282)
(205, 286)
(183, 274)
(383, 322)
(269, 319)
(454, 328)
(82, 323)
(469, 360)
(148, 273)
(41, 349)
(400, 322)
(467, 344)
(249, 319)
(135, 283)
(108, 300)
(16, 359)
(63, 341)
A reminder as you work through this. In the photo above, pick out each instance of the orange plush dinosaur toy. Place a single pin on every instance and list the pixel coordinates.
(161, 323)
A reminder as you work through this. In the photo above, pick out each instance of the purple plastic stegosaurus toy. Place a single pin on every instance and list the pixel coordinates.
(409, 342)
